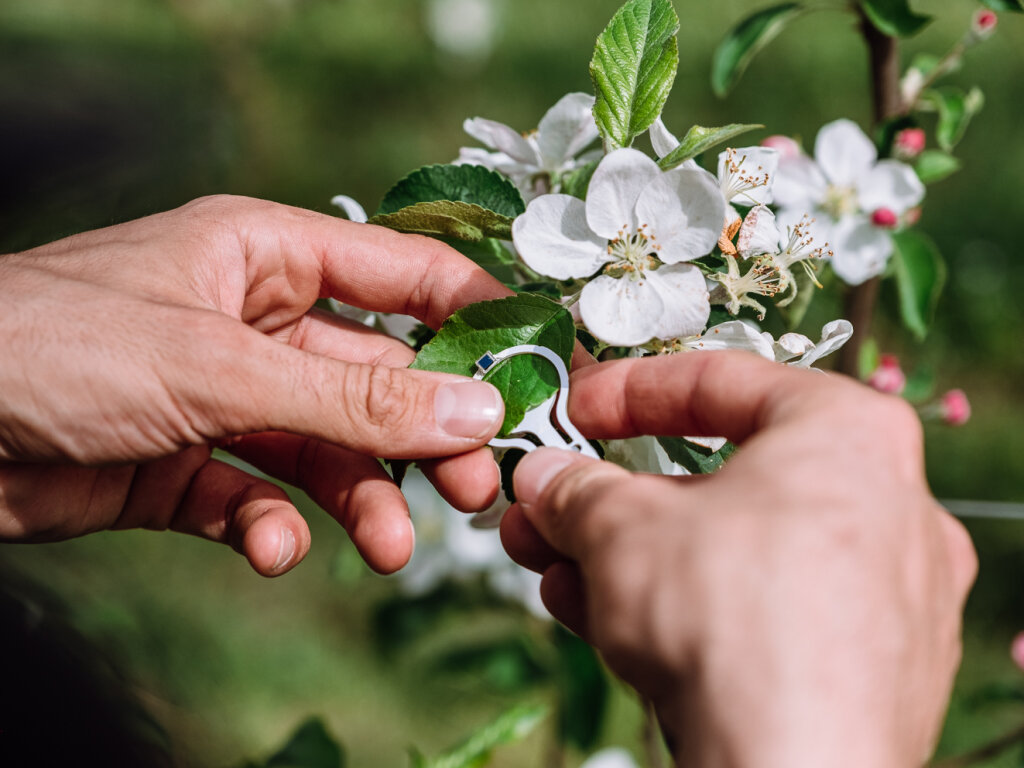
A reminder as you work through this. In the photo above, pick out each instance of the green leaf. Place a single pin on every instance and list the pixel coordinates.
(956, 109)
(311, 746)
(1017, 6)
(868, 358)
(920, 276)
(472, 184)
(739, 47)
(934, 165)
(700, 139)
(577, 182)
(489, 254)
(695, 458)
(894, 17)
(511, 727)
(448, 218)
(524, 381)
(634, 65)
(583, 692)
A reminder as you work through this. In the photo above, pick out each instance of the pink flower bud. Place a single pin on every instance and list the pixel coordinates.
(888, 377)
(984, 23)
(885, 218)
(912, 216)
(910, 143)
(788, 148)
(1017, 650)
(956, 410)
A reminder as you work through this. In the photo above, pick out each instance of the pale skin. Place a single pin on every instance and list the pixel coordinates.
(801, 607)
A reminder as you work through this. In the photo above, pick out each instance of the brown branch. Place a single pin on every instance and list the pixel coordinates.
(984, 752)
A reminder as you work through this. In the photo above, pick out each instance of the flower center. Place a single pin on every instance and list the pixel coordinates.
(630, 253)
(840, 201)
(739, 179)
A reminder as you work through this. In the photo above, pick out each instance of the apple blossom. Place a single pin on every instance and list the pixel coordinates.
(909, 143)
(843, 187)
(637, 228)
(955, 408)
(1017, 650)
(888, 377)
(613, 757)
(983, 23)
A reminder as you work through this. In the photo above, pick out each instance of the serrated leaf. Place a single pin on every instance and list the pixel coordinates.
(700, 139)
(955, 109)
(509, 728)
(577, 181)
(448, 218)
(633, 67)
(920, 276)
(524, 381)
(1016, 6)
(894, 17)
(695, 458)
(743, 42)
(472, 184)
(934, 165)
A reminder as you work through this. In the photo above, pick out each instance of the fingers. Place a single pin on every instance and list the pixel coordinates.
(354, 489)
(563, 594)
(701, 393)
(331, 335)
(469, 482)
(524, 544)
(254, 517)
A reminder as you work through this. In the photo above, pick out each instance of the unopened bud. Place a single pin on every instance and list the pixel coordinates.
(956, 409)
(1017, 650)
(983, 25)
(885, 218)
(788, 148)
(910, 143)
(888, 377)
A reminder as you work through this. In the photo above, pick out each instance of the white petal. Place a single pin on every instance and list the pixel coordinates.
(613, 757)
(353, 210)
(890, 184)
(567, 128)
(553, 238)
(818, 226)
(799, 183)
(759, 233)
(861, 250)
(791, 345)
(684, 294)
(735, 334)
(713, 444)
(752, 162)
(615, 312)
(614, 189)
(499, 136)
(662, 140)
(833, 336)
(844, 152)
(685, 211)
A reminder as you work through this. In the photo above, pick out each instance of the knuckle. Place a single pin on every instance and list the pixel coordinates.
(387, 399)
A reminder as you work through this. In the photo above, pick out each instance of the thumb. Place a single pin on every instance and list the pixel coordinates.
(257, 384)
(573, 501)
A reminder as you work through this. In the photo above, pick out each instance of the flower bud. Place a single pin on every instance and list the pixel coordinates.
(983, 25)
(1017, 650)
(788, 148)
(888, 377)
(910, 142)
(912, 216)
(955, 408)
(885, 218)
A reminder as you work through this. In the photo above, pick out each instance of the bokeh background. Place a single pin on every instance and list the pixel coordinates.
(114, 110)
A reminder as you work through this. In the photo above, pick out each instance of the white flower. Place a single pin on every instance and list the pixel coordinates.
(638, 226)
(847, 189)
(536, 161)
(792, 348)
(463, 28)
(614, 757)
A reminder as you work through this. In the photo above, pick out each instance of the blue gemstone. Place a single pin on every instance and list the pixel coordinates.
(485, 362)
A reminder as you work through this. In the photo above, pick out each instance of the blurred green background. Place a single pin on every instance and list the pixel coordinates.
(113, 110)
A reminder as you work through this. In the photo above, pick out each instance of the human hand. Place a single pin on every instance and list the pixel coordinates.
(801, 607)
(130, 351)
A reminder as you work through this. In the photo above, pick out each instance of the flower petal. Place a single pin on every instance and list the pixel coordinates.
(759, 233)
(735, 334)
(662, 140)
(614, 189)
(684, 210)
(553, 238)
(791, 345)
(890, 184)
(621, 312)
(753, 163)
(833, 336)
(844, 152)
(799, 183)
(567, 128)
(818, 230)
(499, 136)
(684, 295)
(860, 250)
(353, 210)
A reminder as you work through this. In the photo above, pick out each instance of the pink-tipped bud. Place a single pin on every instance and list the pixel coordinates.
(1017, 650)
(956, 409)
(910, 143)
(888, 377)
(788, 149)
(983, 25)
(885, 218)
(912, 216)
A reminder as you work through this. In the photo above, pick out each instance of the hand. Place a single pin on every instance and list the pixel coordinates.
(801, 607)
(130, 351)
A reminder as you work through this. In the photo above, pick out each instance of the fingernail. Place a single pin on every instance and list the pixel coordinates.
(468, 409)
(536, 470)
(285, 549)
